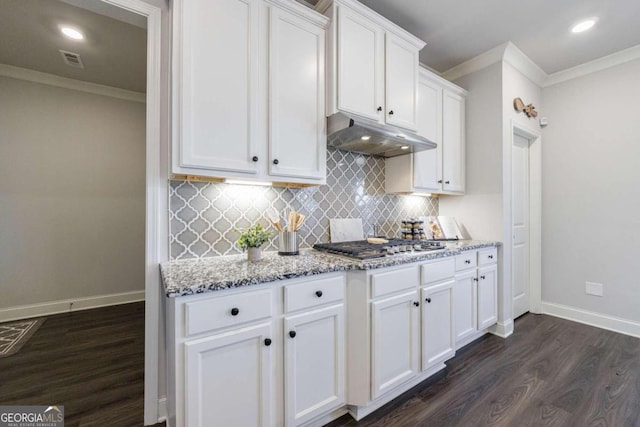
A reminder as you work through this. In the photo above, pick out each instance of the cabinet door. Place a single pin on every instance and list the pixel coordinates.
(401, 82)
(438, 336)
(453, 144)
(215, 59)
(464, 304)
(427, 165)
(314, 363)
(394, 341)
(360, 65)
(487, 296)
(228, 379)
(297, 131)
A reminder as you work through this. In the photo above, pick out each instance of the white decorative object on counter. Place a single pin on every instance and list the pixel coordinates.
(254, 254)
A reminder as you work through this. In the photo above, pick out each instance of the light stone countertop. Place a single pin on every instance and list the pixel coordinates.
(195, 276)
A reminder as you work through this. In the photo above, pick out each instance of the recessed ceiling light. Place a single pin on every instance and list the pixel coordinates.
(72, 33)
(583, 25)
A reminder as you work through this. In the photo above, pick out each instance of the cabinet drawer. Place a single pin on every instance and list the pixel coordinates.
(438, 271)
(488, 256)
(466, 260)
(221, 312)
(394, 281)
(313, 293)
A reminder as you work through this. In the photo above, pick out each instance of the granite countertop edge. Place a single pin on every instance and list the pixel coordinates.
(204, 275)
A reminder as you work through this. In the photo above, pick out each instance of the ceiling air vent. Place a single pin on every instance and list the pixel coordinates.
(71, 59)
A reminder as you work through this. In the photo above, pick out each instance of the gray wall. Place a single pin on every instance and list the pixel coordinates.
(72, 194)
(591, 182)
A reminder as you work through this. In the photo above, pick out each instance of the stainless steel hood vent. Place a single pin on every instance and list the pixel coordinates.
(350, 133)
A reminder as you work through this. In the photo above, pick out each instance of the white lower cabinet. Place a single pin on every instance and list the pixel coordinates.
(464, 294)
(228, 378)
(487, 296)
(438, 336)
(395, 341)
(314, 363)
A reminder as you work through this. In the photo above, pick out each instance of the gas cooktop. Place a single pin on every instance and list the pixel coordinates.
(363, 250)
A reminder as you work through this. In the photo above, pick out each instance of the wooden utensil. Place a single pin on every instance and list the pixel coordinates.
(299, 221)
(275, 219)
(291, 221)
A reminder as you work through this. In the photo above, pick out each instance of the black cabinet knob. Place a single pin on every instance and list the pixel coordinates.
(318, 294)
(439, 181)
(490, 256)
(267, 342)
(379, 108)
(467, 261)
(254, 158)
(428, 300)
(447, 182)
(292, 334)
(391, 113)
(482, 277)
(234, 311)
(275, 161)
(475, 279)
(416, 303)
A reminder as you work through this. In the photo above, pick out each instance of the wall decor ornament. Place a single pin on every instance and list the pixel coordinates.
(529, 110)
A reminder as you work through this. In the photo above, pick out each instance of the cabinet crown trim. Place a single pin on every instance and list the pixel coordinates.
(430, 75)
(363, 10)
(302, 11)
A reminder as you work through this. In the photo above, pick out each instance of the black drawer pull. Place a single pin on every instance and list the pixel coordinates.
(292, 334)
(318, 294)
(467, 261)
(416, 303)
(254, 158)
(428, 300)
(482, 277)
(267, 342)
(235, 311)
(490, 256)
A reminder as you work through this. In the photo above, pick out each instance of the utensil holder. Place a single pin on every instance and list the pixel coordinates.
(288, 243)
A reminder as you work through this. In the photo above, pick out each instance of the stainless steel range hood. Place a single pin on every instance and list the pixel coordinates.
(351, 133)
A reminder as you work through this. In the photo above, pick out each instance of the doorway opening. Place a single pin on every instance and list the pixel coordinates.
(526, 220)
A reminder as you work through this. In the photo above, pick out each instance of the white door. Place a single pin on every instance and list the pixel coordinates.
(360, 65)
(487, 296)
(453, 142)
(394, 342)
(228, 379)
(465, 304)
(314, 363)
(427, 165)
(297, 131)
(217, 123)
(438, 335)
(401, 76)
(520, 249)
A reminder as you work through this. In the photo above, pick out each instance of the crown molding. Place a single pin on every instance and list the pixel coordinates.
(521, 62)
(477, 63)
(618, 58)
(63, 82)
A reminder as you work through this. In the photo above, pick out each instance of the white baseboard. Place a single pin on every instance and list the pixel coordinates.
(67, 305)
(503, 330)
(591, 318)
(162, 409)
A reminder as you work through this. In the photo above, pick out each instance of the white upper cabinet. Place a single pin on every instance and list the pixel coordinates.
(441, 119)
(361, 59)
(217, 105)
(297, 139)
(401, 82)
(373, 65)
(453, 142)
(249, 88)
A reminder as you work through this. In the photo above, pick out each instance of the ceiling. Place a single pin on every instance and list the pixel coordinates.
(113, 52)
(458, 30)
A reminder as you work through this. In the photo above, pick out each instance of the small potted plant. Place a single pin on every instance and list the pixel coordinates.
(252, 239)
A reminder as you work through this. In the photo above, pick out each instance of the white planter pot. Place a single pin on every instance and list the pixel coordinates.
(254, 254)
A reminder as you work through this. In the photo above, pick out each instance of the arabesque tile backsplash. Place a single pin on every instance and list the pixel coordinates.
(204, 216)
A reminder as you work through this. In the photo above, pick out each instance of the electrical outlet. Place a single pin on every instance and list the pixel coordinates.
(594, 289)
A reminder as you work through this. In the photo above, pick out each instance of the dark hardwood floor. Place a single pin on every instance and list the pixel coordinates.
(550, 372)
(91, 361)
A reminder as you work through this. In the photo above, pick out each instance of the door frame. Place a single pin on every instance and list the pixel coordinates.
(157, 216)
(535, 213)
